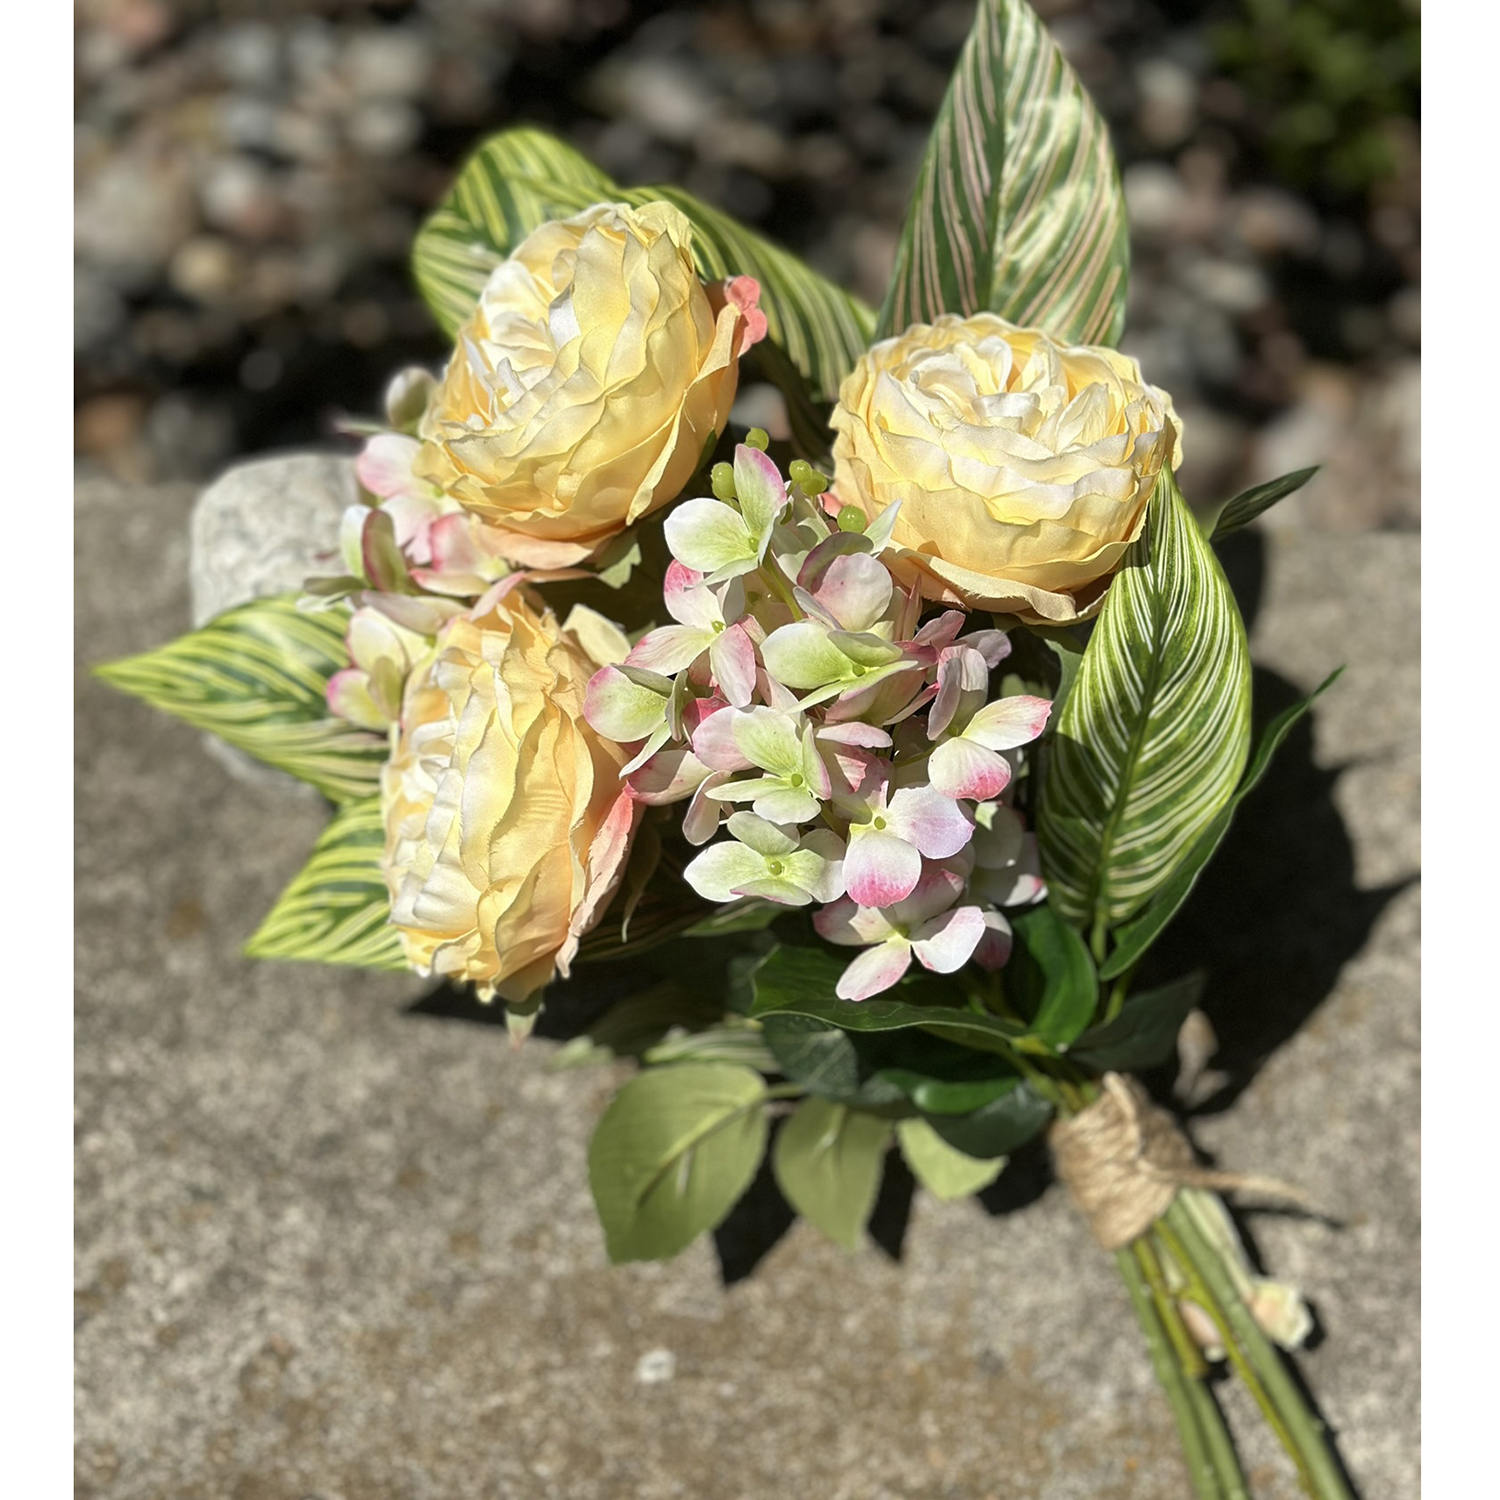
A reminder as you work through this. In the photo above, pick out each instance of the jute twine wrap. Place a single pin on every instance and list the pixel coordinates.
(1123, 1160)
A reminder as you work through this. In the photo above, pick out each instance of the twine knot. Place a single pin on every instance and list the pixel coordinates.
(1123, 1159)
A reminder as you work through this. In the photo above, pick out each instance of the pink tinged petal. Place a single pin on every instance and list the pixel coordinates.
(744, 293)
(422, 616)
(875, 970)
(606, 862)
(654, 742)
(865, 649)
(880, 868)
(721, 868)
(992, 645)
(626, 703)
(993, 949)
(934, 823)
(866, 736)
(962, 679)
(942, 631)
(810, 606)
(688, 599)
(732, 660)
(772, 888)
(937, 890)
(946, 943)
(814, 772)
(1009, 723)
(769, 739)
(348, 694)
(762, 836)
(670, 649)
(699, 709)
(709, 536)
(960, 768)
(668, 776)
(761, 492)
(701, 821)
(384, 465)
(454, 546)
(851, 766)
(747, 789)
(851, 925)
(715, 745)
(780, 698)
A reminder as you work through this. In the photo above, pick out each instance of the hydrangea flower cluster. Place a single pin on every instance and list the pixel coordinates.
(852, 754)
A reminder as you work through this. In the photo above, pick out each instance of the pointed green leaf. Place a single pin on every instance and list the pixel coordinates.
(256, 676)
(1246, 506)
(1156, 730)
(1144, 1032)
(828, 1159)
(1017, 208)
(1133, 939)
(674, 1150)
(942, 1169)
(521, 178)
(337, 909)
(997, 1128)
(1050, 976)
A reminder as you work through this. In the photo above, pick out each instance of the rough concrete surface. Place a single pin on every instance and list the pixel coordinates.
(328, 1248)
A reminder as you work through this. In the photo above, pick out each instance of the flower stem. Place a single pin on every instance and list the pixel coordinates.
(1301, 1431)
(1204, 1459)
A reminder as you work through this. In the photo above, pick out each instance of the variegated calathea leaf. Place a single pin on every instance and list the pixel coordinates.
(1017, 209)
(1151, 742)
(521, 178)
(337, 909)
(256, 676)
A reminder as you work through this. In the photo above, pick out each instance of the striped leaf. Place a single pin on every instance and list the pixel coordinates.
(1018, 208)
(521, 178)
(337, 910)
(1151, 742)
(255, 676)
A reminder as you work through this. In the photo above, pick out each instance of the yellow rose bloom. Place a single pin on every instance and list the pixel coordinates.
(506, 821)
(594, 372)
(1023, 466)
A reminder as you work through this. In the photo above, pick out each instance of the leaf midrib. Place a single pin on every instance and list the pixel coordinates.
(693, 1142)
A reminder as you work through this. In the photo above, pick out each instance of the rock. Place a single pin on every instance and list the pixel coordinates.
(390, 63)
(131, 214)
(1169, 101)
(384, 127)
(1154, 198)
(261, 528)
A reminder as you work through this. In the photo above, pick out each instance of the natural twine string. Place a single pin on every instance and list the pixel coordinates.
(1123, 1160)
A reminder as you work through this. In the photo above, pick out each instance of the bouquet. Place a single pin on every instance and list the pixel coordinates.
(890, 743)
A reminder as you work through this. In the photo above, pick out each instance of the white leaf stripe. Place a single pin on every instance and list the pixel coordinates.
(337, 909)
(521, 178)
(256, 677)
(1155, 732)
(1017, 208)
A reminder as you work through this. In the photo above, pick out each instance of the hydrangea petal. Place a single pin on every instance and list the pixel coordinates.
(670, 649)
(944, 944)
(934, 823)
(709, 536)
(721, 868)
(770, 740)
(732, 660)
(875, 969)
(802, 655)
(960, 768)
(1009, 722)
(851, 925)
(762, 836)
(622, 707)
(761, 492)
(993, 949)
(881, 869)
(715, 745)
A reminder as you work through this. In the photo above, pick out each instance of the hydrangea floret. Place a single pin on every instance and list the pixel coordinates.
(855, 757)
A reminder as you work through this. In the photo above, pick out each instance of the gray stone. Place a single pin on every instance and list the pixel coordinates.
(262, 528)
(326, 1246)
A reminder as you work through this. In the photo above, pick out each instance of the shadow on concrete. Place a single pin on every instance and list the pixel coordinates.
(1272, 921)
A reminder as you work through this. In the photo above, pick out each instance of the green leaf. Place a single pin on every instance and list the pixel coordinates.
(1245, 507)
(632, 1026)
(997, 1128)
(1136, 937)
(256, 677)
(943, 1170)
(1155, 732)
(1017, 208)
(800, 981)
(736, 1043)
(674, 1150)
(337, 909)
(521, 178)
(749, 915)
(1050, 976)
(819, 1057)
(828, 1160)
(1144, 1032)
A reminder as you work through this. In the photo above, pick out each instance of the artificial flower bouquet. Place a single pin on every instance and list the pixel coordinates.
(890, 744)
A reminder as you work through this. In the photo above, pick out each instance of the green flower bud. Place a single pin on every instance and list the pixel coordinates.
(721, 477)
(852, 518)
(758, 437)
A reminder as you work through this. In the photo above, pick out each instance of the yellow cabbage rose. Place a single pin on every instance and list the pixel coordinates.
(1023, 466)
(585, 388)
(506, 822)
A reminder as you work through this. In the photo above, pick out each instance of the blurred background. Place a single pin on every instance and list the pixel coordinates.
(250, 173)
